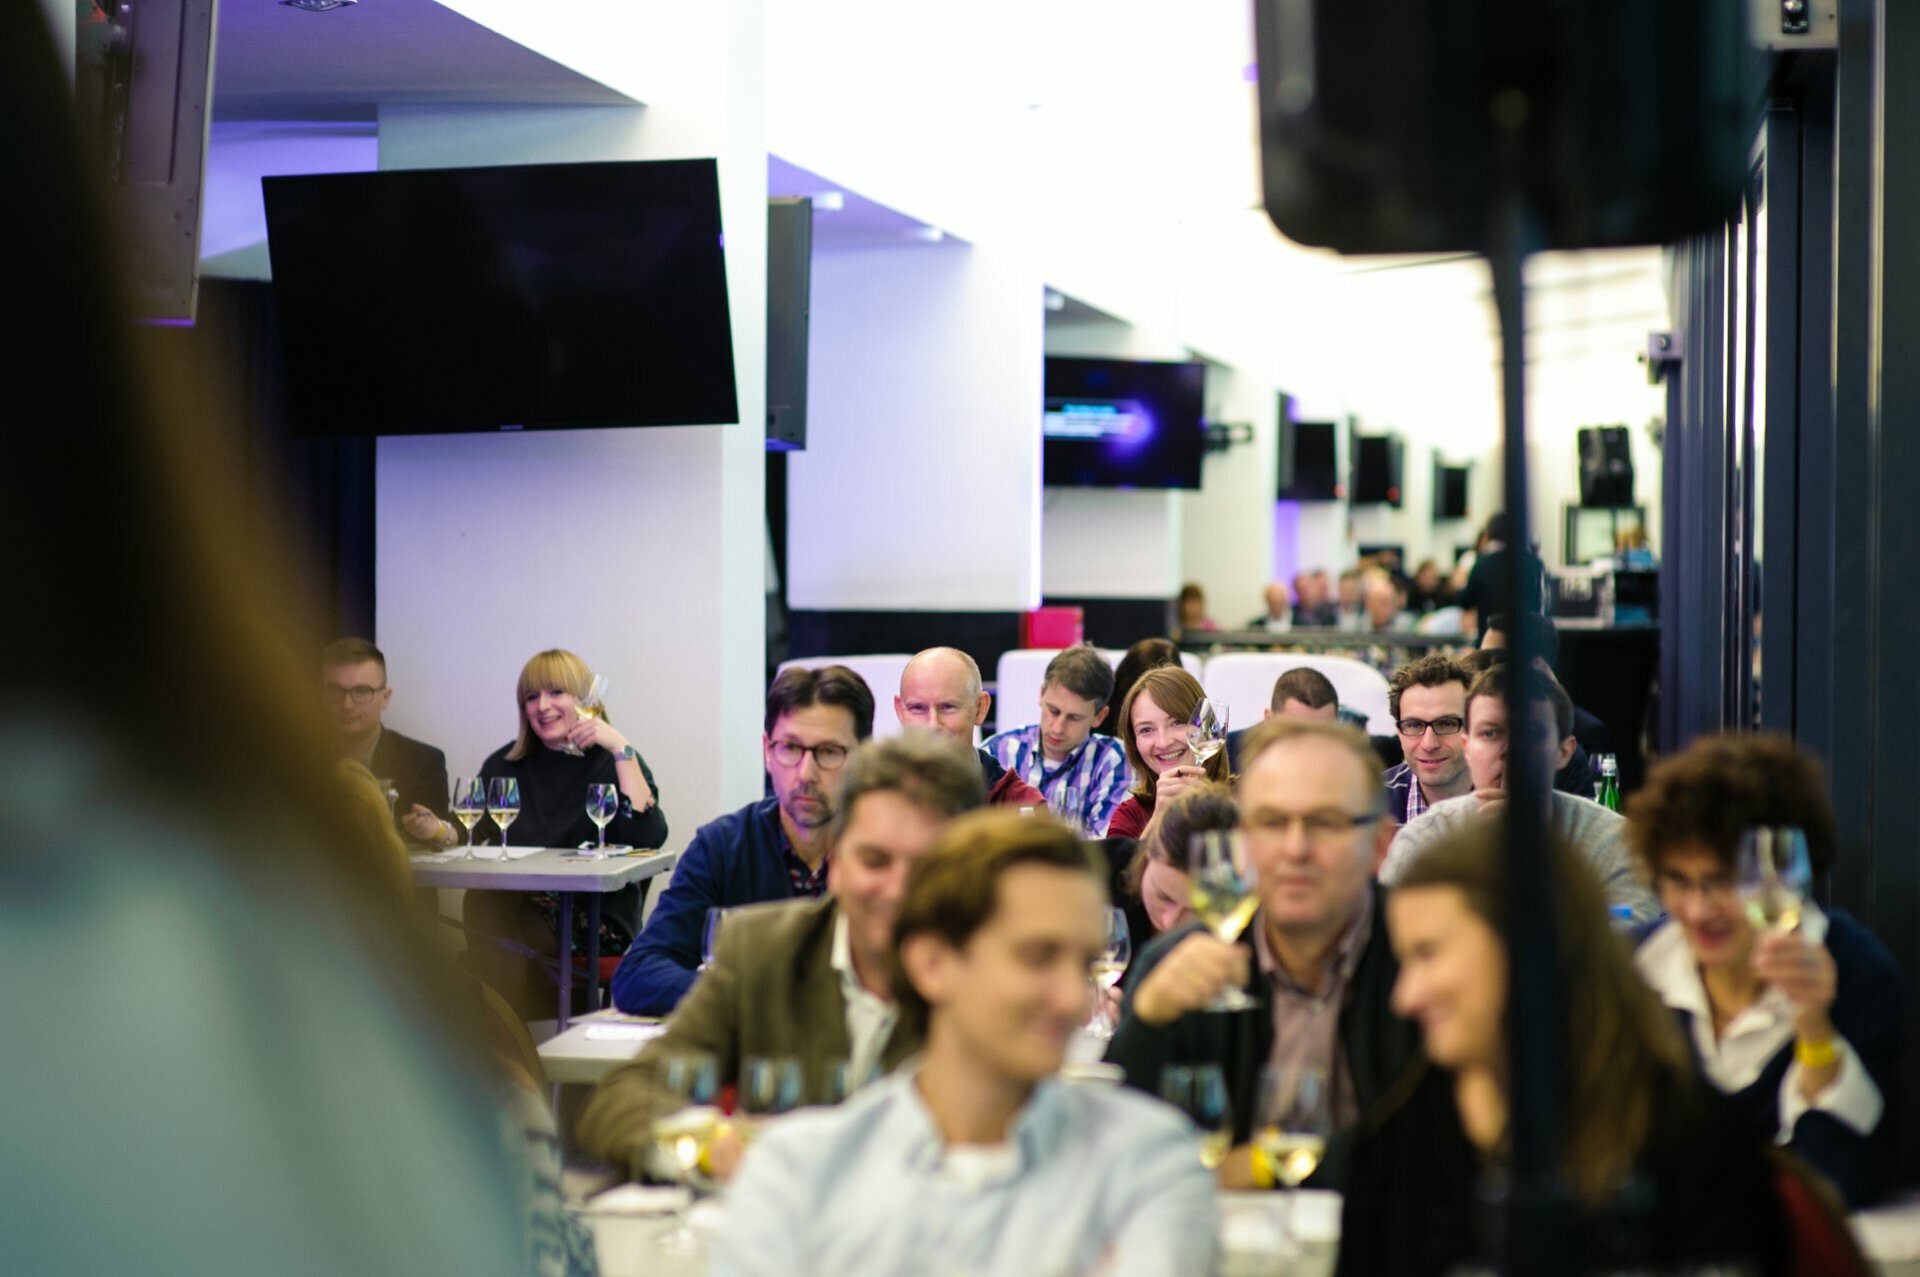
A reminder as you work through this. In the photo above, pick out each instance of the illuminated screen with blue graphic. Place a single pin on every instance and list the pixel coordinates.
(1116, 423)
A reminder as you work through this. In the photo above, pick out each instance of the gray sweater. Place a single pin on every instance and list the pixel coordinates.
(1587, 827)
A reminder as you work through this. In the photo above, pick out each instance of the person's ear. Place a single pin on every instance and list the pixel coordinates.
(899, 711)
(1567, 747)
(980, 709)
(1266, 712)
(929, 962)
(1101, 717)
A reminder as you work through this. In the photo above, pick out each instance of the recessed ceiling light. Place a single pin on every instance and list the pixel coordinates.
(317, 6)
(829, 201)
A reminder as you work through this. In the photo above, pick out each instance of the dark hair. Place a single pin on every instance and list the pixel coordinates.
(1623, 1051)
(1541, 634)
(926, 768)
(953, 890)
(1308, 686)
(1190, 593)
(1499, 528)
(1429, 671)
(1147, 654)
(798, 688)
(1721, 786)
(1168, 837)
(1478, 662)
(1084, 672)
(1534, 685)
(352, 651)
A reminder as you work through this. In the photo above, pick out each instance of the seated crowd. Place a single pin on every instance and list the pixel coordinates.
(925, 961)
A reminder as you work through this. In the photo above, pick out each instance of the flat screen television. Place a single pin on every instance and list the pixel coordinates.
(1119, 423)
(1309, 461)
(430, 301)
(1376, 470)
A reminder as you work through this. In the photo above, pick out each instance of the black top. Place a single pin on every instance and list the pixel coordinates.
(1417, 1193)
(1482, 592)
(553, 813)
(418, 771)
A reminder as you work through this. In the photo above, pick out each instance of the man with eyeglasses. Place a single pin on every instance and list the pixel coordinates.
(1588, 828)
(1314, 959)
(353, 688)
(1428, 701)
(773, 849)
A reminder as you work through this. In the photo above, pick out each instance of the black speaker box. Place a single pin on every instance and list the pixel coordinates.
(1379, 119)
(1606, 467)
(1449, 491)
(789, 319)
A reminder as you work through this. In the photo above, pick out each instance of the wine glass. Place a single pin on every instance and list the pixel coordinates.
(1207, 730)
(710, 939)
(836, 1081)
(682, 1136)
(1107, 970)
(469, 804)
(1295, 1121)
(589, 706)
(603, 802)
(1200, 1091)
(1224, 896)
(391, 794)
(768, 1088)
(1774, 874)
(503, 804)
(1066, 804)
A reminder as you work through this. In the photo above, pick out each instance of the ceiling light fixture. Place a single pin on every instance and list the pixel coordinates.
(317, 6)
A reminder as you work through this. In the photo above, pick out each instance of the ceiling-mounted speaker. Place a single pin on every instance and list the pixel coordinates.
(1380, 120)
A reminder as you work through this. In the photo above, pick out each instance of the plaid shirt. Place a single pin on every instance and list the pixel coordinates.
(1404, 799)
(1090, 784)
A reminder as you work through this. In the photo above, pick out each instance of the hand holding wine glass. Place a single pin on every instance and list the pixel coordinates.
(1225, 896)
(1773, 873)
(589, 708)
(1207, 730)
(469, 805)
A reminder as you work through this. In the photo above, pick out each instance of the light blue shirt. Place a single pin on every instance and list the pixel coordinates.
(1094, 1179)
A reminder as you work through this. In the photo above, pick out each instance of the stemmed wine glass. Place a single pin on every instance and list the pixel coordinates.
(768, 1088)
(589, 706)
(684, 1134)
(503, 804)
(603, 803)
(469, 805)
(1295, 1121)
(1224, 896)
(837, 1081)
(710, 939)
(1200, 1091)
(1773, 873)
(1107, 970)
(1207, 730)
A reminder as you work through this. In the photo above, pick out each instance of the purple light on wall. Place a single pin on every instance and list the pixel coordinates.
(1286, 540)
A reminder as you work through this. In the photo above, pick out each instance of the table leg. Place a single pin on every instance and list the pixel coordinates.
(593, 952)
(566, 957)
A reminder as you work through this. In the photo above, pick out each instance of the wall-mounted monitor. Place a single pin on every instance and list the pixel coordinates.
(1450, 491)
(430, 301)
(1309, 458)
(1118, 423)
(1376, 470)
(1594, 533)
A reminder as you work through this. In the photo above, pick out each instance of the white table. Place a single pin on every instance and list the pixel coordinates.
(1249, 1237)
(595, 1044)
(562, 871)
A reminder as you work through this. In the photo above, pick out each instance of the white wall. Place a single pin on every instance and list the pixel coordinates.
(919, 487)
(642, 550)
(233, 228)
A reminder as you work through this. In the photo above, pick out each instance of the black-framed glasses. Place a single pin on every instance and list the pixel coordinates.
(1415, 728)
(331, 692)
(830, 756)
(1327, 823)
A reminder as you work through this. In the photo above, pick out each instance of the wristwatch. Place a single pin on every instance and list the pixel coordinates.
(627, 751)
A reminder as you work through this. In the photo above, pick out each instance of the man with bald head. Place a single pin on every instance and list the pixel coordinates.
(940, 691)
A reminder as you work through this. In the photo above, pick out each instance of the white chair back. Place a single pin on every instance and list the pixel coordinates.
(1023, 671)
(1244, 680)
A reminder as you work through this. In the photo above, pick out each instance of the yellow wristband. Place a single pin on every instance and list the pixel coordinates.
(1262, 1167)
(705, 1164)
(1816, 1055)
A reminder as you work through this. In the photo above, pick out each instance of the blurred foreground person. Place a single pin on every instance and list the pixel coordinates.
(979, 1158)
(227, 1049)
(1662, 1180)
(1799, 1024)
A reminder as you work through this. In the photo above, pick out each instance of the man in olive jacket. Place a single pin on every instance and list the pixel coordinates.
(806, 979)
(1314, 961)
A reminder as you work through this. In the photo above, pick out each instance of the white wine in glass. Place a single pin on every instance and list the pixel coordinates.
(1200, 1091)
(1207, 730)
(1295, 1120)
(592, 705)
(1294, 1155)
(469, 805)
(503, 804)
(603, 803)
(1774, 874)
(1224, 895)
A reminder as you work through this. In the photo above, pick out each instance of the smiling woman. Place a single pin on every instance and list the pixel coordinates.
(1153, 725)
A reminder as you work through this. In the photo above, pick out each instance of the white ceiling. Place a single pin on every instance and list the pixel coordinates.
(273, 62)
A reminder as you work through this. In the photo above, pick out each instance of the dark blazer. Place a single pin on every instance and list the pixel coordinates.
(417, 770)
(735, 860)
(771, 992)
(1867, 1012)
(1702, 1194)
(1379, 1048)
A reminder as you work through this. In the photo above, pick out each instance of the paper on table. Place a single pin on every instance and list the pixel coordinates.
(636, 1199)
(624, 1032)
(434, 857)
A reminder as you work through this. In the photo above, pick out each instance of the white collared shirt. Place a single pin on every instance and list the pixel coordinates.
(870, 1017)
(1735, 1059)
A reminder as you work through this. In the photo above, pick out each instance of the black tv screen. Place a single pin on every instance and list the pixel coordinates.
(544, 296)
(1310, 470)
(1117, 423)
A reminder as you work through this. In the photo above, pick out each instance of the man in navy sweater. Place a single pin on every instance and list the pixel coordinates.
(772, 849)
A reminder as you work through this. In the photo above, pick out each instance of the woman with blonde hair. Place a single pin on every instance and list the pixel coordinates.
(1660, 1177)
(1154, 721)
(556, 754)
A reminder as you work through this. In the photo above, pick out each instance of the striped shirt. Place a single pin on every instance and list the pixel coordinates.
(1086, 787)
